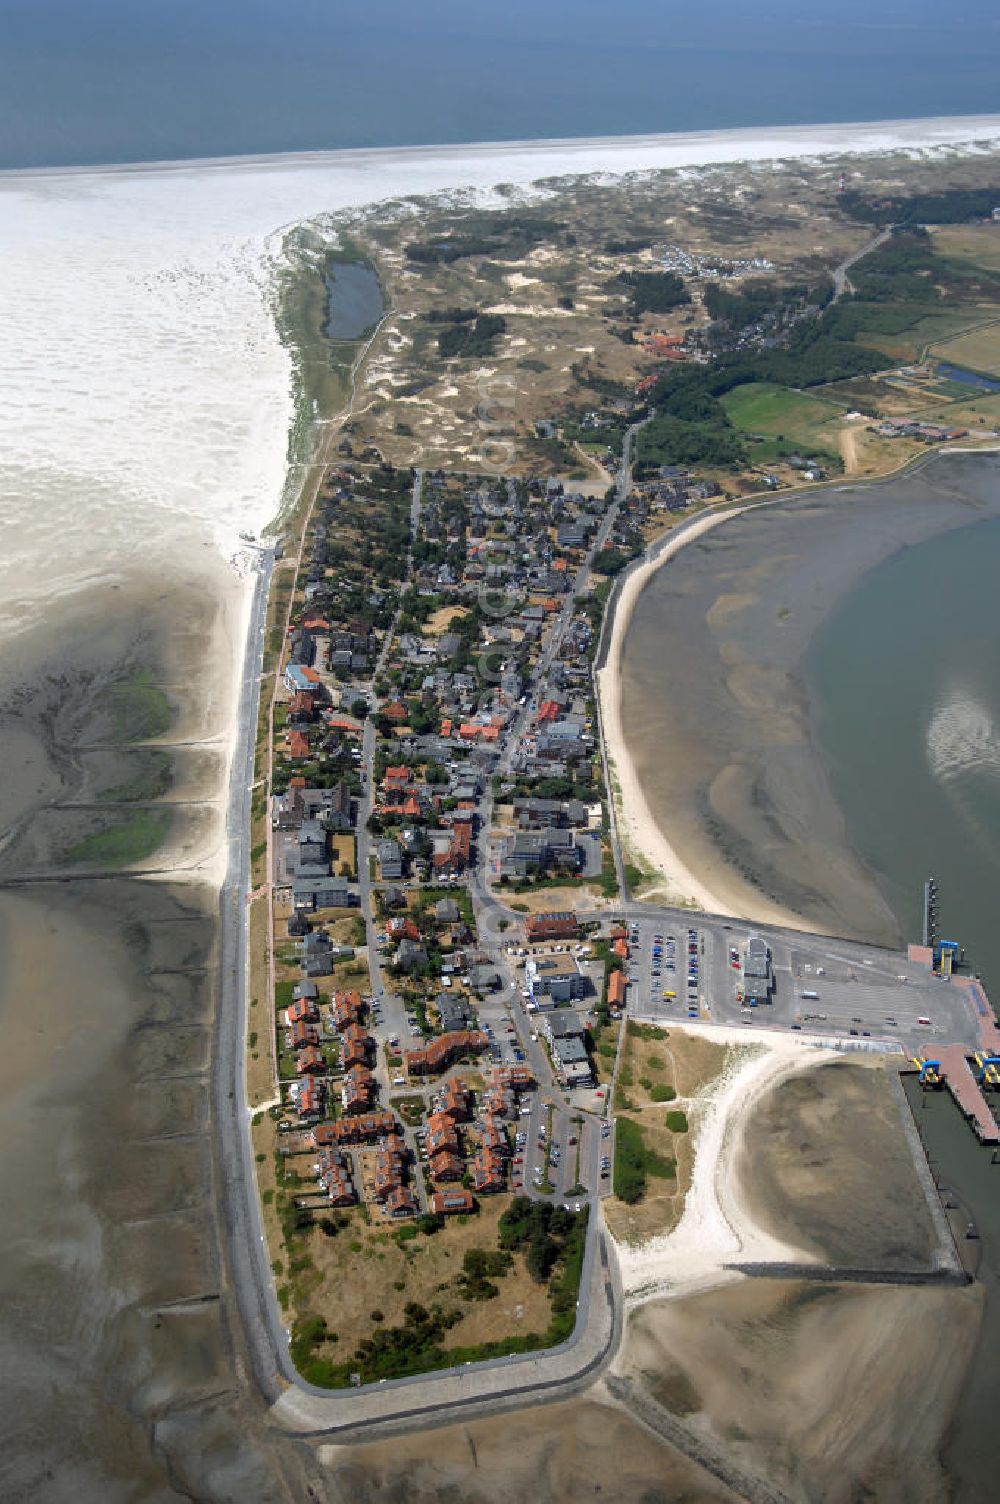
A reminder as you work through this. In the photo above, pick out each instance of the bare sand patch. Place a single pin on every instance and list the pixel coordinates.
(440, 620)
(718, 1225)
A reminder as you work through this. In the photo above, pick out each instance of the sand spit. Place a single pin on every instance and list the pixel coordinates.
(718, 1225)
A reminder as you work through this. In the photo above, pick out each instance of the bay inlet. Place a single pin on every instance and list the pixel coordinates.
(723, 715)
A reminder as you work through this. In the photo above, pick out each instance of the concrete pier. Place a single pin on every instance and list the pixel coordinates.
(965, 1089)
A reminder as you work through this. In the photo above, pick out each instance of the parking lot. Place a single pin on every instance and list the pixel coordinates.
(818, 986)
(666, 958)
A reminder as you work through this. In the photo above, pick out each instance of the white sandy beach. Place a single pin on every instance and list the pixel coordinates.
(637, 829)
(717, 1226)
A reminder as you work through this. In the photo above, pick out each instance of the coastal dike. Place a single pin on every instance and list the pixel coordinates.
(946, 1258)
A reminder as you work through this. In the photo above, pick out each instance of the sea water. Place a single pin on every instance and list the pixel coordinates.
(111, 80)
(905, 674)
(906, 678)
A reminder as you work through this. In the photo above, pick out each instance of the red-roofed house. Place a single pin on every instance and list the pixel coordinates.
(437, 1055)
(616, 989)
(310, 1062)
(459, 852)
(346, 1009)
(448, 1203)
(303, 1035)
(310, 1103)
(357, 1090)
(401, 1203)
(455, 1101)
(335, 1177)
(355, 1045)
(400, 928)
(445, 1166)
(441, 1140)
(302, 706)
(552, 925)
(486, 1172)
(360, 1130)
(301, 1010)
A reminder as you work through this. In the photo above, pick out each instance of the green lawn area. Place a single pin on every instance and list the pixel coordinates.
(635, 1161)
(782, 421)
(760, 407)
(915, 340)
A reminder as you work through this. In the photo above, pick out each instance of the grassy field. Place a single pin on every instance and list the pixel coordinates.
(784, 421)
(975, 413)
(911, 343)
(662, 1072)
(344, 853)
(441, 620)
(979, 244)
(978, 349)
(363, 1275)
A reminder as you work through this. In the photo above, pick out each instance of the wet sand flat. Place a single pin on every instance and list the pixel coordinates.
(827, 1392)
(120, 1359)
(825, 1162)
(716, 710)
(554, 1454)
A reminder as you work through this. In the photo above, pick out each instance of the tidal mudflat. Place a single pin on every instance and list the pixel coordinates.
(715, 704)
(120, 1360)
